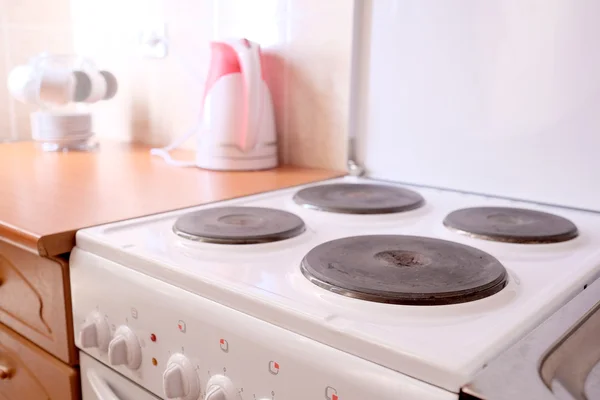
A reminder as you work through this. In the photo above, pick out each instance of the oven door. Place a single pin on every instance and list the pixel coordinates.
(98, 382)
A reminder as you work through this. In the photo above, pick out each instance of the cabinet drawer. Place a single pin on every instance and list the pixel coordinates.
(28, 372)
(33, 300)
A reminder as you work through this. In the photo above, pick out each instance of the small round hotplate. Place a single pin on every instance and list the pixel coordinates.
(514, 225)
(409, 270)
(238, 225)
(358, 198)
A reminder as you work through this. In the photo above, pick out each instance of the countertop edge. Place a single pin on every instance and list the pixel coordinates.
(56, 244)
(20, 238)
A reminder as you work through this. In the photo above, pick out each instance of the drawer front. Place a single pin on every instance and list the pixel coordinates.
(28, 372)
(33, 300)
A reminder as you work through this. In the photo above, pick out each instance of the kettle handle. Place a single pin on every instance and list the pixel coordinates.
(249, 59)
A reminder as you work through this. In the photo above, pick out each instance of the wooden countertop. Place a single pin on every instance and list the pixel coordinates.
(46, 197)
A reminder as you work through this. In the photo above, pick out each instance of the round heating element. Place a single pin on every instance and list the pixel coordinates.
(358, 198)
(238, 225)
(409, 270)
(514, 225)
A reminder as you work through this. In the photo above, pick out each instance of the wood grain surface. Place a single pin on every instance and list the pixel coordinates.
(35, 300)
(27, 372)
(46, 197)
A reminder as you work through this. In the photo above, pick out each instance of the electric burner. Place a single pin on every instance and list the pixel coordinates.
(238, 225)
(409, 270)
(354, 198)
(514, 225)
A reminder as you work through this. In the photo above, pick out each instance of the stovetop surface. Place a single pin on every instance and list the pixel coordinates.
(443, 345)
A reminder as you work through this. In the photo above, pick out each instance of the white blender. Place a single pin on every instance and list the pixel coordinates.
(63, 87)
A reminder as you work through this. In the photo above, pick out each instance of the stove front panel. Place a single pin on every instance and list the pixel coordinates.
(260, 360)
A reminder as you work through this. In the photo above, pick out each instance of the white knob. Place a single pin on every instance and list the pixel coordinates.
(125, 349)
(220, 387)
(94, 332)
(216, 393)
(180, 380)
(117, 351)
(173, 383)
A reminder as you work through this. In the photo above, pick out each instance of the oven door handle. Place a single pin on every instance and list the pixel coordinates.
(100, 387)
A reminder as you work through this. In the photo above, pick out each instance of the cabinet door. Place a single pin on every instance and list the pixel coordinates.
(28, 372)
(33, 300)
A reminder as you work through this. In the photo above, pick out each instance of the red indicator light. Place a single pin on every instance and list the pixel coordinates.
(222, 341)
(153, 337)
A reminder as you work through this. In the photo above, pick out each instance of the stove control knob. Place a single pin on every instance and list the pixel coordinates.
(125, 349)
(180, 380)
(220, 387)
(94, 332)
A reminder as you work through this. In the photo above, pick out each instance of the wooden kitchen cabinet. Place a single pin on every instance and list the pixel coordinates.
(35, 299)
(29, 373)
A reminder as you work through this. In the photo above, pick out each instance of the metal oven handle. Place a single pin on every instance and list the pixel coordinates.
(573, 358)
(563, 349)
(100, 387)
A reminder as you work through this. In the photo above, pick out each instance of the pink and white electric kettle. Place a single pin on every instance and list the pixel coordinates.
(236, 130)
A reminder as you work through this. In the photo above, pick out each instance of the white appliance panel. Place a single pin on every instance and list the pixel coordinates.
(189, 324)
(494, 97)
(99, 382)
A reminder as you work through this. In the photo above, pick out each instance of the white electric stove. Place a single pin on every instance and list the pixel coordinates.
(141, 275)
(376, 288)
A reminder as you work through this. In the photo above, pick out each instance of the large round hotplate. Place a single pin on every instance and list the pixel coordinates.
(358, 198)
(410, 270)
(238, 225)
(507, 224)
